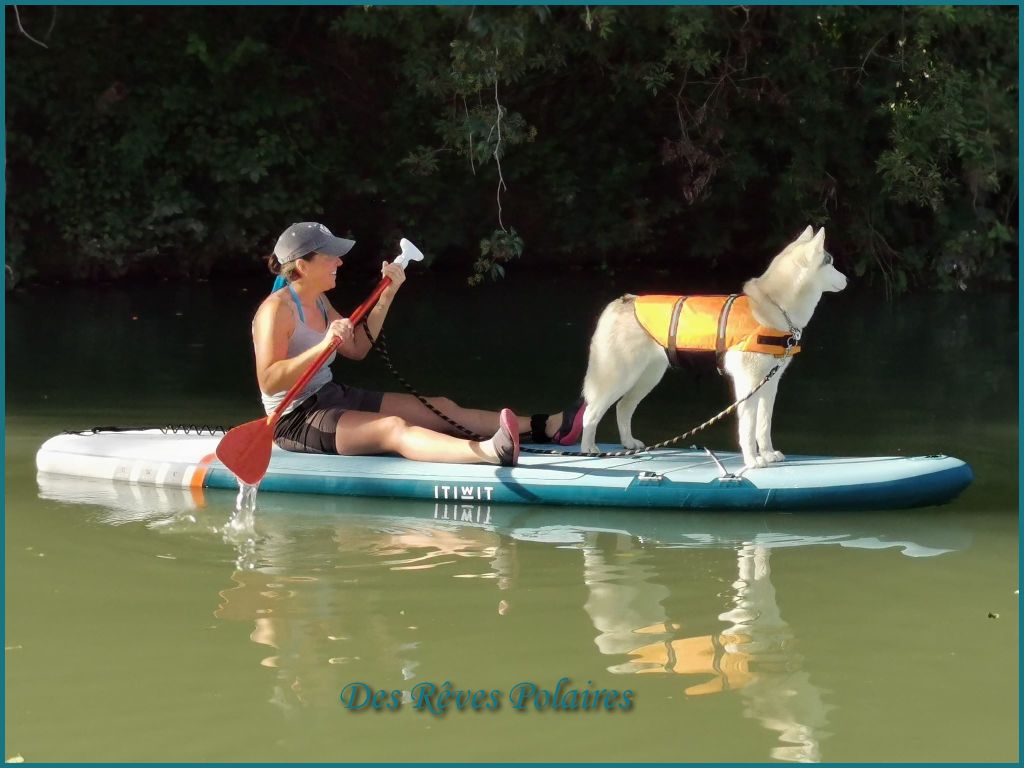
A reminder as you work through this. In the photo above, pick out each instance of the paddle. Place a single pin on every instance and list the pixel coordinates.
(245, 450)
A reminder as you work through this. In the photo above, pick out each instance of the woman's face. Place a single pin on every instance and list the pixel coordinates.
(321, 271)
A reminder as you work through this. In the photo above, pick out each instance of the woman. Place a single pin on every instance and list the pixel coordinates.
(297, 323)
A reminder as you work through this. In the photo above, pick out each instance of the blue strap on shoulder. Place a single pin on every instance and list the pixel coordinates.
(280, 282)
(298, 304)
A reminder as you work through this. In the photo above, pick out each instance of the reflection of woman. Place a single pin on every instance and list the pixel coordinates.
(297, 323)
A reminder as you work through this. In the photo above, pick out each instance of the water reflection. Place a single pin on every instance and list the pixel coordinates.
(754, 654)
(688, 595)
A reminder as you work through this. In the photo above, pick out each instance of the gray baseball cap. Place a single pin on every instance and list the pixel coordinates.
(306, 237)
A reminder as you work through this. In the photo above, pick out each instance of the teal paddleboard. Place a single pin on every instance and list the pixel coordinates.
(691, 478)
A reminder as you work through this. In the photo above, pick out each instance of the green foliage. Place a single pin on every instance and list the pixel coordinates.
(495, 251)
(179, 140)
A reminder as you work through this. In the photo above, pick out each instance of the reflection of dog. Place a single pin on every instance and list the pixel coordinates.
(630, 350)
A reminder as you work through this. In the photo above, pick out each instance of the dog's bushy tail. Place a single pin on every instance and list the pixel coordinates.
(606, 345)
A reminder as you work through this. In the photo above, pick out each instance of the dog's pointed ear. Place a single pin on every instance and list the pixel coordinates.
(819, 240)
(810, 250)
(806, 235)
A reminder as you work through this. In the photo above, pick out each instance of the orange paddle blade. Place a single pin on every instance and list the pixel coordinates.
(245, 450)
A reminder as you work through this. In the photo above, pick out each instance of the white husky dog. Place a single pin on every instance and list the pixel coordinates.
(626, 360)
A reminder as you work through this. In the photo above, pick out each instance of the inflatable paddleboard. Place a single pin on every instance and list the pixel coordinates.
(692, 479)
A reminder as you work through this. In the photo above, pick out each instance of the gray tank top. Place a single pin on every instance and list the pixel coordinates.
(303, 338)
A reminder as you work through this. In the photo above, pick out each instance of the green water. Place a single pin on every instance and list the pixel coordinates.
(137, 630)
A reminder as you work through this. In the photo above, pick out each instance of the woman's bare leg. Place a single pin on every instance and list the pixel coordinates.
(479, 422)
(360, 432)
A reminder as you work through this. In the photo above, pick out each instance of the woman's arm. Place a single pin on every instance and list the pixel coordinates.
(272, 327)
(360, 346)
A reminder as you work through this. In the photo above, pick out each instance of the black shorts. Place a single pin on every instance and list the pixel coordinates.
(311, 427)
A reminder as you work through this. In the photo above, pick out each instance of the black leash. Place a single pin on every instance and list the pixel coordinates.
(380, 345)
(167, 429)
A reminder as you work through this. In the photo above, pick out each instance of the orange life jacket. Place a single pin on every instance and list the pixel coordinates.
(708, 324)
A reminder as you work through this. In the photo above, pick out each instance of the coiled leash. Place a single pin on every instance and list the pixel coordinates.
(167, 429)
(380, 345)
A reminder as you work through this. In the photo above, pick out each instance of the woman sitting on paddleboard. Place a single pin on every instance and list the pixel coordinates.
(297, 323)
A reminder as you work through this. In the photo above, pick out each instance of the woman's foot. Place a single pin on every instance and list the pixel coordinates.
(568, 425)
(503, 448)
(563, 428)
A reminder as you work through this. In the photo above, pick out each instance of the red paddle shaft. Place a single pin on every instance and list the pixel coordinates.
(356, 317)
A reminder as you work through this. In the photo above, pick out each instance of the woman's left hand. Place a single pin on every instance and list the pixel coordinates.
(397, 275)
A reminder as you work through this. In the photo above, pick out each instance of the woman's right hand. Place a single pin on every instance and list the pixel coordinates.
(340, 329)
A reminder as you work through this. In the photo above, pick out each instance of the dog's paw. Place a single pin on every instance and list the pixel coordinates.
(773, 457)
(754, 462)
(633, 444)
(588, 448)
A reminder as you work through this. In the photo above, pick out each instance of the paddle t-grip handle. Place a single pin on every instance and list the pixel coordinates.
(409, 253)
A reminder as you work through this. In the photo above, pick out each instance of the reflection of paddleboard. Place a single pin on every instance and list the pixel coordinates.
(914, 534)
(681, 479)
